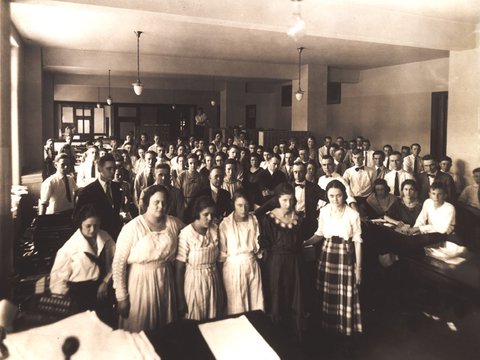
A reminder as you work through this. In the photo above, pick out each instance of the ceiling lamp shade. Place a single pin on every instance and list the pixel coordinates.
(297, 28)
(137, 85)
(109, 99)
(299, 92)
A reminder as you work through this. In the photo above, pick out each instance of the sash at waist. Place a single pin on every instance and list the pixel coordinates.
(151, 265)
(238, 258)
(200, 266)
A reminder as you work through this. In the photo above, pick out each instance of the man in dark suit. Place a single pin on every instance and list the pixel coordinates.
(177, 201)
(270, 178)
(433, 174)
(221, 197)
(105, 195)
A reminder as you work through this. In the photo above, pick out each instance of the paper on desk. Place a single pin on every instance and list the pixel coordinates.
(97, 341)
(450, 253)
(236, 339)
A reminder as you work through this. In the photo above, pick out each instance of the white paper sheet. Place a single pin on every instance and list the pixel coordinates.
(97, 341)
(236, 338)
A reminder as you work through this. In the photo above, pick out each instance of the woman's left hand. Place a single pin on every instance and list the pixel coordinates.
(102, 291)
(358, 275)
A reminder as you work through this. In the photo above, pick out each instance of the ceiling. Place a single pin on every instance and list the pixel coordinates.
(232, 37)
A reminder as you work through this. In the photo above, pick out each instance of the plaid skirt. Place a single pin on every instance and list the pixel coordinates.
(338, 299)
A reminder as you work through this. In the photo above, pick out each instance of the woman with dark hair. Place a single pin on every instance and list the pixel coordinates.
(282, 244)
(340, 264)
(380, 200)
(83, 265)
(311, 171)
(239, 252)
(312, 149)
(405, 211)
(143, 265)
(200, 293)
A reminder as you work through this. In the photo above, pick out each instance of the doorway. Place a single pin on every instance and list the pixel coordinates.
(438, 134)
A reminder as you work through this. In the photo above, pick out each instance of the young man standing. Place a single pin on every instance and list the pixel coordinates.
(396, 176)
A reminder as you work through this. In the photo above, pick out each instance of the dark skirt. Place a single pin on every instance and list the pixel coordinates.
(283, 287)
(338, 299)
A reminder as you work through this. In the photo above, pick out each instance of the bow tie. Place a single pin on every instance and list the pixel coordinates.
(431, 175)
(300, 185)
(359, 168)
(328, 176)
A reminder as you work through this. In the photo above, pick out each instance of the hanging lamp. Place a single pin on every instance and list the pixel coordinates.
(138, 86)
(299, 93)
(109, 99)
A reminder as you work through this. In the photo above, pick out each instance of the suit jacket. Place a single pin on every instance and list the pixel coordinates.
(176, 204)
(383, 171)
(223, 205)
(109, 215)
(268, 181)
(446, 179)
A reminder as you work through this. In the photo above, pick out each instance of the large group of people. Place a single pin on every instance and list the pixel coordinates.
(200, 230)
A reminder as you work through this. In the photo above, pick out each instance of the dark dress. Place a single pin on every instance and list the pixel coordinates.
(282, 279)
(399, 211)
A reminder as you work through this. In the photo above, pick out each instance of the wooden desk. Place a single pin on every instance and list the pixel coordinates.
(183, 340)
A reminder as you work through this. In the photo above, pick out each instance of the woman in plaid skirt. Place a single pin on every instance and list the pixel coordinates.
(340, 267)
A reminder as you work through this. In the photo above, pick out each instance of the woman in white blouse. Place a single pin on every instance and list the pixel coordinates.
(143, 275)
(83, 265)
(239, 250)
(340, 266)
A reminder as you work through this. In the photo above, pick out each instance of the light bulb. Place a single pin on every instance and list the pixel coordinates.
(212, 102)
(109, 100)
(173, 107)
(298, 29)
(98, 105)
(299, 95)
(138, 87)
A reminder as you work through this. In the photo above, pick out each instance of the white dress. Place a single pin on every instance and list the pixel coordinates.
(202, 286)
(241, 272)
(143, 271)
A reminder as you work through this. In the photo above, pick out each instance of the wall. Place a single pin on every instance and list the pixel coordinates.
(390, 104)
(463, 133)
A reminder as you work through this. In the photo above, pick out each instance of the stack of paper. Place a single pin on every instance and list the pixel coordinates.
(450, 253)
(97, 341)
(236, 338)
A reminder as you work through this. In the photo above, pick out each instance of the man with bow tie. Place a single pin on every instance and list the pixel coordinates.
(360, 178)
(433, 174)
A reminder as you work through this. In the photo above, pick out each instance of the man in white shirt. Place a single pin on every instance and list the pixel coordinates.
(470, 196)
(413, 163)
(437, 215)
(328, 168)
(387, 150)
(359, 177)
(174, 161)
(367, 153)
(87, 170)
(146, 178)
(325, 149)
(397, 175)
(57, 191)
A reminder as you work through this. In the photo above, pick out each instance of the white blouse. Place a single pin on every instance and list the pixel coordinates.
(238, 238)
(347, 226)
(71, 263)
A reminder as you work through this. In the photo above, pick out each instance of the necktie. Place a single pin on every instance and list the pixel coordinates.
(150, 179)
(300, 185)
(396, 191)
(415, 166)
(67, 189)
(431, 175)
(388, 164)
(359, 168)
(366, 157)
(92, 172)
(378, 172)
(108, 192)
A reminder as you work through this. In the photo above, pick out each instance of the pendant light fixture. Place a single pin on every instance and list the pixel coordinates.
(109, 99)
(98, 98)
(138, 86)
(297, 27)
(212, 101)
(299, 92)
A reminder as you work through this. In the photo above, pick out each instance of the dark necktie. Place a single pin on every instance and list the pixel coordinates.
(366, 157)
(108, 192)
(396, 191)
(388, 164)
(92, 172)
(378, 172)
(431, 175)
(150, 179)
(359, 168)
(415, 166)
(67, 189)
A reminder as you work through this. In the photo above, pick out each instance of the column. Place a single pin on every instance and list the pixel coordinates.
(6, 222)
